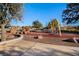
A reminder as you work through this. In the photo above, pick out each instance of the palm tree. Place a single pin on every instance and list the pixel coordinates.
(8, 12)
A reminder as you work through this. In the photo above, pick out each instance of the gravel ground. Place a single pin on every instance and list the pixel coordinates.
(52, 40)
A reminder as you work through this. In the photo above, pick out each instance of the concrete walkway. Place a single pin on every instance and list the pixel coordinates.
(28, 48)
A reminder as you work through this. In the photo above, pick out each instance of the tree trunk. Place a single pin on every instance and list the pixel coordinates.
(52, 27)
(59, 28)
(3, 35)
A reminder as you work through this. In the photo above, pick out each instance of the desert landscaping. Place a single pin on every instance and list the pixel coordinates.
(39, 37)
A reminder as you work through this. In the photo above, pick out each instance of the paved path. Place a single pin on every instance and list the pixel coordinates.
(28, 48)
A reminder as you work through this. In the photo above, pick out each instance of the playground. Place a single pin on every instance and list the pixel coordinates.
(56, 37)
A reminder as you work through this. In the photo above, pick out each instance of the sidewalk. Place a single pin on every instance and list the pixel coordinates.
(28, 48)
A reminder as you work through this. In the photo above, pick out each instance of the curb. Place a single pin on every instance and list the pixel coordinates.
(13, 40)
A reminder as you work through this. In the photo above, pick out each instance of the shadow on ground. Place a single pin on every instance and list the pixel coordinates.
(70, 40)
(37, 52)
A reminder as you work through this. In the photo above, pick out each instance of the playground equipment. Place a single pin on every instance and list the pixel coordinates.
(55, 26)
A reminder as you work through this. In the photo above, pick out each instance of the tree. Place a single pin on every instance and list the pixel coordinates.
(36, 24)
(8, 25)
(49, 25)
(8, 12)
(71, 13)
(55, 25)
(54, 21)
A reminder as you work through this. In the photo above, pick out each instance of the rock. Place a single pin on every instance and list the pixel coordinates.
(40, 37)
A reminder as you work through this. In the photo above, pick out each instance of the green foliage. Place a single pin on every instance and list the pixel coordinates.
(9, 11)
(71, 13)
(55, 22)
(72, 30)
(36, 24)
(51, 23)
(8, 25)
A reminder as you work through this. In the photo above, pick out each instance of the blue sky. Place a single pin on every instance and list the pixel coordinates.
(44, 12)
